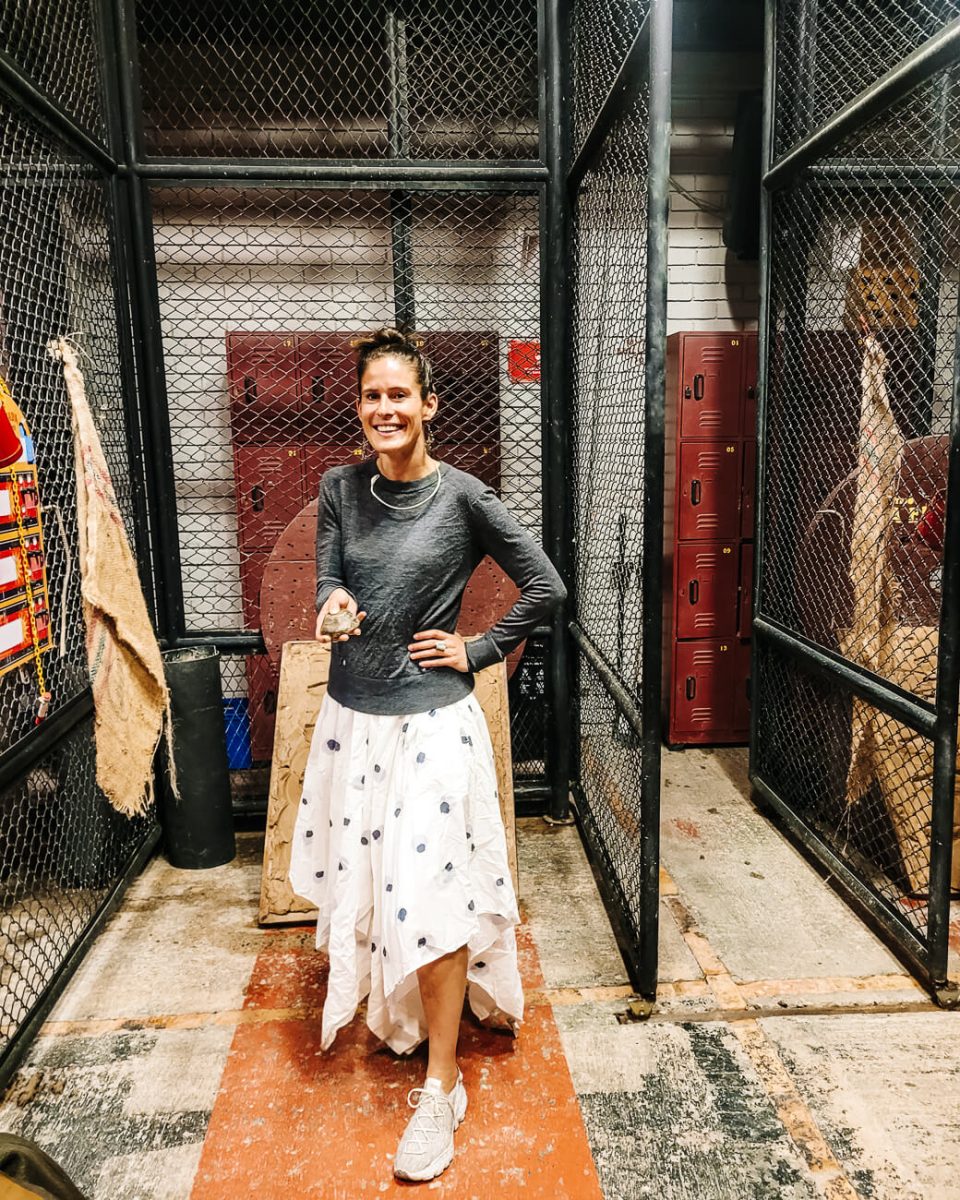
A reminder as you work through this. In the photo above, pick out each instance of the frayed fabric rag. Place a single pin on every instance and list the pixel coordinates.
(131, 701)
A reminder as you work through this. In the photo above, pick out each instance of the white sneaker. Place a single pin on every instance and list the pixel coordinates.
(426, 1147)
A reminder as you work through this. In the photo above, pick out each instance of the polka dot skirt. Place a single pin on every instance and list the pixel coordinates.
(400, 845)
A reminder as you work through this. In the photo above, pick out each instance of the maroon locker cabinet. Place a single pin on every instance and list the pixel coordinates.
(708, 536)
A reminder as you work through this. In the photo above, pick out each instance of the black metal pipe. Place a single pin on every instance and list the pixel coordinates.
(948, 683)
(658, 202)
(890, 699)
(764, 341)
(238, 642)
(937, 53)
(384, 173)
(608, 677)
(619, 100)
(148, 345)
(28, 96)
(897, 931)
(555, 359)
(398, 141)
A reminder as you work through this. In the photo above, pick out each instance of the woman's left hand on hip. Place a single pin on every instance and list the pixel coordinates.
(434, 648)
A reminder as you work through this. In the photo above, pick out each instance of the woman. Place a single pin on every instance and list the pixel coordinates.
(399, 840)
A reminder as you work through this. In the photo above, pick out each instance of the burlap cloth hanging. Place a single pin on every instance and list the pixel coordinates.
(126, 671)
(882, 749)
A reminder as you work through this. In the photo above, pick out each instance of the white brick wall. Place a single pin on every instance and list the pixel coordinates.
(708, 288)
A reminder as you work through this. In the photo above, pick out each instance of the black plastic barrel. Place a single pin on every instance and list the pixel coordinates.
(197, 827)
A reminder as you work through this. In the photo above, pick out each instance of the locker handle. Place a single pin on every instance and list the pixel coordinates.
(690, 688)
(696, 492)
(317, 390)
(699, 382)
(751, 393)
(257, 497)
(694, 591)
(270, 701)
(249, 389)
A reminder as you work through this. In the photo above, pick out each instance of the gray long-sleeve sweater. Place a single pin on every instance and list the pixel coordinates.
(408, 570)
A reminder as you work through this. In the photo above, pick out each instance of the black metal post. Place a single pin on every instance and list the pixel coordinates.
(136, 226)
(398, 139)
(658, 199)
(764, 344)
(945, 739)
(556, 369)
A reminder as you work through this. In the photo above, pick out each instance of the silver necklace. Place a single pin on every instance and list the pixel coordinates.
(404, 507)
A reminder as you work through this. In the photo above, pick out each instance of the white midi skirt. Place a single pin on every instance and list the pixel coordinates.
(400, 845)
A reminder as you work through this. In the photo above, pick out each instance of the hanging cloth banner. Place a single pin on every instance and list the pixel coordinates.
(873, 624)
(126, 672)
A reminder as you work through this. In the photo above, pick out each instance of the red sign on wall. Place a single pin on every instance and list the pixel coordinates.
(523, 362)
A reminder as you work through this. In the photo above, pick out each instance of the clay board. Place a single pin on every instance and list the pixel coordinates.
(304, 670)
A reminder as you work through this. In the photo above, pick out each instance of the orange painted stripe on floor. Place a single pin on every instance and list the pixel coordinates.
(290, 1120)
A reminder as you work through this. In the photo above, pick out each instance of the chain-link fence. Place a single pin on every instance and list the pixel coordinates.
(617, 423)
(418, 79)
(861, 378)
(64, 853)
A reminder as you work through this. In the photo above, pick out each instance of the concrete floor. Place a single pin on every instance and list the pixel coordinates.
(790, 1055)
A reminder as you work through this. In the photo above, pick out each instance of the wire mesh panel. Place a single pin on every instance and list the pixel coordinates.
(830, 50)
(62, 850)
(803, 751)
(262, 291)
(54, 43)
(617, 477)
(57, 279)
(861, 377)
(362, 80)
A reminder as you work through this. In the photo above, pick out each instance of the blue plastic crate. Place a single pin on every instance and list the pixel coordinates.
(236, 721)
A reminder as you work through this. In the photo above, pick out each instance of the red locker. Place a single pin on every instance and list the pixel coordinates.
(706, 588)
(262, 376)
(750, 365)
(745, 622)
(705, 686)
(319, 459)
(269, 492)
(708, 489)
(328, 387)
(262, 685)
(251, 576)
(743, 692)
(708, 527)
(748, 490)
(710, 380)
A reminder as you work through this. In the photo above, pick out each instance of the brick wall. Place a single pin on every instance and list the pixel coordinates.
(708, 288)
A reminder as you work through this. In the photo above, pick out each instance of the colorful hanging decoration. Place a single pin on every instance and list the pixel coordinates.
(24, 610)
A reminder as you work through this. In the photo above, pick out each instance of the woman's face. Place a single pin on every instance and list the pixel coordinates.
(391, 409)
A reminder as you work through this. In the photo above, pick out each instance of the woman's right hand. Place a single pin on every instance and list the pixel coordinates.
(338, 599)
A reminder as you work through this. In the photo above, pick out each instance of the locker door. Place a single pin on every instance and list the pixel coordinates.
(708, 491)
(741, 699)
(466, 369)
(262, 684)
(318, 459)
(704, 686)
(706, 591)
(251, 576)
(262, 379)
(748, 490)
(328, 388)
(710, 382)
(269, 492)
(750, 364)
(744, 629)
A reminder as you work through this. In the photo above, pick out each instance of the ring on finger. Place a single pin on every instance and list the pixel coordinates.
(441, 646)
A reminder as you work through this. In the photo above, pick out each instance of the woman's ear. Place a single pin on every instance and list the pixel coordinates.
(430, 405)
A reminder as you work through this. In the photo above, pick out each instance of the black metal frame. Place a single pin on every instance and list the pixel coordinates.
(929, 956)
(647, 62)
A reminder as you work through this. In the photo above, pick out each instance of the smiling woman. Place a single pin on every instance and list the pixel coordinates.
(399, 840)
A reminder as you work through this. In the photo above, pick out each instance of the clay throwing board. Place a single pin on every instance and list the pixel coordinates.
(304, 670)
